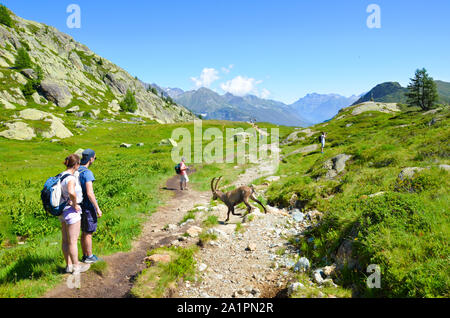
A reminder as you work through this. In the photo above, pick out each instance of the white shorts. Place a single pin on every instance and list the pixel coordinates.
(184, 177)
(70, 216)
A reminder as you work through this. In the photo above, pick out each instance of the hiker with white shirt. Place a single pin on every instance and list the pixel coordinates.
(70, 218)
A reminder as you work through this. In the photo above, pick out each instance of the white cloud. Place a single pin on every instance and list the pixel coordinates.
(207, 77)
(228, 69)
(265, 93)
(240, 86)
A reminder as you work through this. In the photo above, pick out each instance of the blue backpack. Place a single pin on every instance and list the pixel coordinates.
(51, 195)
(178, 168)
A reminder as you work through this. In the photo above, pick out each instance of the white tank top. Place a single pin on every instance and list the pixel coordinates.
(65, 188)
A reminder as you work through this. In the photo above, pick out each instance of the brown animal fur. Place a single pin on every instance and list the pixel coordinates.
(235, 197)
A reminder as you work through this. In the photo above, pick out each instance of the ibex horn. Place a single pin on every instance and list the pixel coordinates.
(217, 183)
(212, 183)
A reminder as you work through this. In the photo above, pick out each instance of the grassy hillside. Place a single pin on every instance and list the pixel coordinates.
(404, 229)
(127, 187)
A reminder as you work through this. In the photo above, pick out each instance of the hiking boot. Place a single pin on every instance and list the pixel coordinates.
(81, 268)
(91, 260)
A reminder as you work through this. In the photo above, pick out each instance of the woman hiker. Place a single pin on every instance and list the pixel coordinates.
(71, 216)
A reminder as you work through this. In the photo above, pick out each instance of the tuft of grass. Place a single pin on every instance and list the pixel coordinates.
(100, 268)
(210, 221)
(156, 281)
(190, 215)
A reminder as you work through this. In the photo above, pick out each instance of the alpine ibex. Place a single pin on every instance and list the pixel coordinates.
(233, 198)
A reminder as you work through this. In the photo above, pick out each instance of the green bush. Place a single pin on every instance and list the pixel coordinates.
(129, 104)
(23, 59)
(5, 17)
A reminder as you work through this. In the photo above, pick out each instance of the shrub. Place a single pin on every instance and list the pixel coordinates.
(23, 59)
(129, 103)
(5, 17)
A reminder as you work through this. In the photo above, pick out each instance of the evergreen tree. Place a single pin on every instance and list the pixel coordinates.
(129, 104)
(5, 17)
(23, 60)
(422, 90)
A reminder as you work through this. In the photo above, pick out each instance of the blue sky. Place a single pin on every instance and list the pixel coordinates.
(280, 49)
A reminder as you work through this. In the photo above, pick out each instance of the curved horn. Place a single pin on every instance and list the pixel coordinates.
(212, 184)
(217, 183)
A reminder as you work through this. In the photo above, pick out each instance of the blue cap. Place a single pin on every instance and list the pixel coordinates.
(87, 155)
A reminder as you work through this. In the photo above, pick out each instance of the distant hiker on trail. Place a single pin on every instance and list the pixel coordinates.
(322, 138)
(89, 206)
(183, 174)
(71, 217)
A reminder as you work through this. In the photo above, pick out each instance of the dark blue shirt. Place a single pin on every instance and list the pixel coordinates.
(86, 175)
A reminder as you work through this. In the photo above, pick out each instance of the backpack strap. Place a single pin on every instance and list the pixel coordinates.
(62, 177)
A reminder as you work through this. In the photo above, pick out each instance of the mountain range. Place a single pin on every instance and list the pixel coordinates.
(311, 109)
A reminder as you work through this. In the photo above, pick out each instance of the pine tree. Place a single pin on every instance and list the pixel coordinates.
(23, 60)
(422, 90)
(5, 17)
(129, 104)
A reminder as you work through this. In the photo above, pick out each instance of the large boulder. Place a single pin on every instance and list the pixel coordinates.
(111, 80)
(18, 131)
(374, 106)
(336, 165)
(344, 256)
(57, 128)
(56, 93)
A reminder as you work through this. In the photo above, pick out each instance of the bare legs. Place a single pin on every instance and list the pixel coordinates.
(86, 243)
(70, 234)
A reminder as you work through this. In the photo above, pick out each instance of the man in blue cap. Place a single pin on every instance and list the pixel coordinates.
(89, 206)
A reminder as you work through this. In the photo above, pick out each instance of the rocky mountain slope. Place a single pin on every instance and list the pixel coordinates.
(65, 74)
(229, 107)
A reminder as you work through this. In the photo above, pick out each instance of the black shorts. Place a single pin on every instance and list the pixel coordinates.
(89, 221)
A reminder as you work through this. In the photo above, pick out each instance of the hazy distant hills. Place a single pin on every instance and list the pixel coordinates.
(317, 108)
(211, 105)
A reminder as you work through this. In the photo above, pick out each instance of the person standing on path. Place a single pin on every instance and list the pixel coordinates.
(322, 140)
(70, 219)
(90, 207)
(183, 176)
